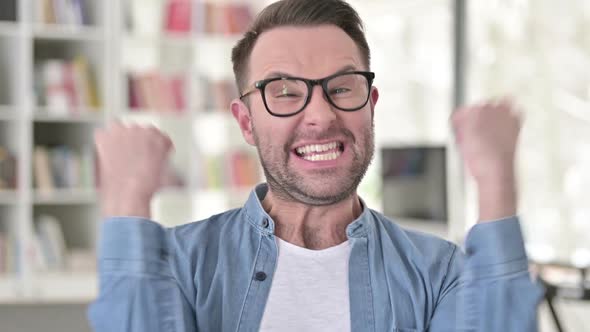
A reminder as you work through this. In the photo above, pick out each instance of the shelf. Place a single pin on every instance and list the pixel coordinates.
(8, 113)
(425, 142)
(205, 192)
(51, 288)
(65, 287)
(8, 197)
(140, 112)
(9, 29)
(65, 197)
(163, 38)
(67, 32)
(8, 289)
(230, 40)
(86, 116)
(184, 39)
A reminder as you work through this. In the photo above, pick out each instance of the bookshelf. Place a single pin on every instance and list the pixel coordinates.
(65, 71)
(177, 76)
(52, 72)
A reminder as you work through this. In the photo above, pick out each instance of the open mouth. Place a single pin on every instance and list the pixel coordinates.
(320, 152)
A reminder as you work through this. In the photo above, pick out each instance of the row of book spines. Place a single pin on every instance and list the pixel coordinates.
(48, 250)
(49, 244)
(156, 91)
(67, 86)
(237, 169)
(8, 169)
(182, 16)
(68, 12)
(218, 95)
(63, 167)
(160, 92)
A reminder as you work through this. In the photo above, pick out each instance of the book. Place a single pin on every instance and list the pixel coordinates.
(8, 169)
(65, 12)
(3, 253)
(219, 18)
(80, 10)
(217, 94)
(238, 18)
(213, 173)
(67, 87)
(45, 12)
(178, 16)
(243, 169)
(52, 243)
(157, 92)
(59, 10)
(62, 167)
(55, 95)
(86, 83)
(42, 174)
(237, 169)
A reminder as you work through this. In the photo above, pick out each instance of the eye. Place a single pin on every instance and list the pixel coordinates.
(337, 91)
(286, 91)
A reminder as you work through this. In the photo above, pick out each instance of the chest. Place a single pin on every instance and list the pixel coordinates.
(362, 292)
(309, 291)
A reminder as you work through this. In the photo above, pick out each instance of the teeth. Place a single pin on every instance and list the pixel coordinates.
(323, 157)
(316, 148)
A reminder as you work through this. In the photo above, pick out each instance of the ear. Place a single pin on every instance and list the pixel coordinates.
(244, 118)
(373, 98)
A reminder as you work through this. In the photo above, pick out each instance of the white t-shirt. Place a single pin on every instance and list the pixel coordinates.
(309, 291)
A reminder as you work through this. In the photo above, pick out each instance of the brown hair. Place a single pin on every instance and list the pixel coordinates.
(299, 13)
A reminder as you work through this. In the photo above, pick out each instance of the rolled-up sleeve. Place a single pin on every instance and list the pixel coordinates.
(137, 289)
(489, 288)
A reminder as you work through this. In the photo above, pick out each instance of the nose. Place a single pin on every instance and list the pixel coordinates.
(319, 112)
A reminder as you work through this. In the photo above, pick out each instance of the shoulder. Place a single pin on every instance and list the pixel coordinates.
(421, 248)
(207, 231)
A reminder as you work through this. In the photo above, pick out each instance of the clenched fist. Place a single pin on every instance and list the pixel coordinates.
(131, 162)
(487, 136)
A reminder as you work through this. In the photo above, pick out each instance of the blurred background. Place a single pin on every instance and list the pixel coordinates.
(69, 66)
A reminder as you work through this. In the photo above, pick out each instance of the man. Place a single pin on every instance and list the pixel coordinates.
(305, 253)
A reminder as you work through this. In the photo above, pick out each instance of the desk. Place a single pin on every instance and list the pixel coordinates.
(563, 281)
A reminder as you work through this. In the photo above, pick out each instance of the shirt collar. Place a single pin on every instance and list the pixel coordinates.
(258, 217)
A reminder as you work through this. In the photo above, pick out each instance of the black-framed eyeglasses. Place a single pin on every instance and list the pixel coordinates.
(287, 96)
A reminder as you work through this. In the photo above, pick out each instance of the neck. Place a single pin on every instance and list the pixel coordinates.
(312, 227)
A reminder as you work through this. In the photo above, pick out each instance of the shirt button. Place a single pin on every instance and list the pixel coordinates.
(265, 222)
(260, 276)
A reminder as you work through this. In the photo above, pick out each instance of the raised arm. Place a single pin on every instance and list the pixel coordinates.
(488, 288)
(138, 289)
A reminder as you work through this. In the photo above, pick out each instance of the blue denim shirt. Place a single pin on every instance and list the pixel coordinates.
(215, 275)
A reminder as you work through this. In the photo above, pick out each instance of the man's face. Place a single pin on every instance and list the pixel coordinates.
(320, 155)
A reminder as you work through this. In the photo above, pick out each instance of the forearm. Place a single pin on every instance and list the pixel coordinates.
(124, 203)
(498, 197)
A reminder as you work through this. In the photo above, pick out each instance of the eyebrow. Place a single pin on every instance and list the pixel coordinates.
(285, 74)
